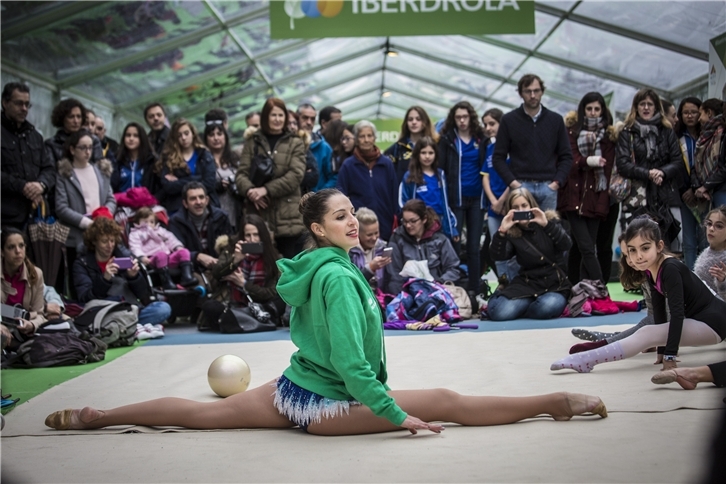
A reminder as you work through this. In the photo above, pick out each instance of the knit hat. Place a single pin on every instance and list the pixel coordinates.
(102, 212)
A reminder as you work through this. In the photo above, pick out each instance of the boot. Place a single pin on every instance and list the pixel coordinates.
(187, 278)
(166, 282)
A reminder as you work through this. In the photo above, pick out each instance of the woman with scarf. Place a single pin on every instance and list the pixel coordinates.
(648, 154)
(709, 170)
(584, 199)
(369, 179)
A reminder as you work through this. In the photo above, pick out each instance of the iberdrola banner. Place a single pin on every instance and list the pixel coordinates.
(290, 19)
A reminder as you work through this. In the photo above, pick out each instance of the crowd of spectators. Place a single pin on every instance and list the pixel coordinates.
(433, 195)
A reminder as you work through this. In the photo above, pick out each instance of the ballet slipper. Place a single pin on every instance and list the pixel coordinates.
(670, 376)
(582, 407)
(72, 419)
(60, 420)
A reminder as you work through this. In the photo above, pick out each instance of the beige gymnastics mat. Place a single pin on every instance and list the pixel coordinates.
(629, 446)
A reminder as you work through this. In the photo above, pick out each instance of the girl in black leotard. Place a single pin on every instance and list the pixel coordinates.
(696, 314)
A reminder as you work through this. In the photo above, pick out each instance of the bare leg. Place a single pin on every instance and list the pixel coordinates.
(687, 378)
(250, 409)
(444, 405)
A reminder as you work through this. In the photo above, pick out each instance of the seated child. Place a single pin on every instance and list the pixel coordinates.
(157, 247)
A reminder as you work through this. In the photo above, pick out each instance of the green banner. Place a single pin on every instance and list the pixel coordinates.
(291, 19)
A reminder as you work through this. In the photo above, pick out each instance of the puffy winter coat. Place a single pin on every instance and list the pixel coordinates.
(536, 275)
(147, 241)
(182, 226)
(283, 191)
(578, 193)
(666, 157)
(70, 206)
(433, 247)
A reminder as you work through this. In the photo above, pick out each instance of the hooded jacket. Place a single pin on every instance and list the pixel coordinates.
(578, 192)
(70, 206)
(336, 324)
(24, 160)
(433, 247)
(283, 191)
(536, 275)
(323, 154)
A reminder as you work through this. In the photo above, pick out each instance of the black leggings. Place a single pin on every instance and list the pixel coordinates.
(719, 373)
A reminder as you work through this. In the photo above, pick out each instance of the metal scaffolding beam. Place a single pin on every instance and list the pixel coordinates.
(45, 18)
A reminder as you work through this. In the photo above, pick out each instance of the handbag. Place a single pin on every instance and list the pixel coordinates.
(636, 197)
(461, 298)
(619, 186)
(262, 167)
(251, 319)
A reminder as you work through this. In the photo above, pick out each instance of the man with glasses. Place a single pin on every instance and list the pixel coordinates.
(535, 139)
(28, 172)
(108, 145)
(320, 148)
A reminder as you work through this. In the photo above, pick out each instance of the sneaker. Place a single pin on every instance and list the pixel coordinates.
(142, 333)
(155, 330)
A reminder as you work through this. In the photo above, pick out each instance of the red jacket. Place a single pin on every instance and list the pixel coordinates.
(578, 193)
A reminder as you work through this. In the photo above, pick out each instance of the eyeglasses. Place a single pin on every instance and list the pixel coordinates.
(20, 104)
(84, 147)
(646, 104)
(532, 92)
(410, 222)
(716, 226)
(690, 113)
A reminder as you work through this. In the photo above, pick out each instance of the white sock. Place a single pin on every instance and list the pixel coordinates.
(584, 362)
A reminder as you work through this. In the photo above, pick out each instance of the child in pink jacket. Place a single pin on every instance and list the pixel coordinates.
(157, 247)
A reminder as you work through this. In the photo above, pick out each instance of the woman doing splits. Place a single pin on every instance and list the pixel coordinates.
(336, 381)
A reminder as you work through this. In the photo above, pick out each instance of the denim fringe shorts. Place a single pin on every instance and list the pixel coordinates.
(304, 407)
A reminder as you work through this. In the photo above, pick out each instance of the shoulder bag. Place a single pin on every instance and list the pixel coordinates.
(262, 167)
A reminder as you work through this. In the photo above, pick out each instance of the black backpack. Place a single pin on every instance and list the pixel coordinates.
(57, 349)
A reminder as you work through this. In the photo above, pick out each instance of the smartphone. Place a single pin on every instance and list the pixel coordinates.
(124, 263)
(252, 248)
(387, 252)
(523, 215)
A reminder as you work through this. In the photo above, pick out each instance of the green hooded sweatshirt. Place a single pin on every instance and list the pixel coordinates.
(336, 325)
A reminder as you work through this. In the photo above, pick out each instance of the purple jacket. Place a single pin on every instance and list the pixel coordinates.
(146, 241)
(358, 258)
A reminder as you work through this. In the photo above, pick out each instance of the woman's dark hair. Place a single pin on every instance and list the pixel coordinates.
(428, 127)
(629, 277)
(272, 102)
(228, 157)
(101, 227)
(72, 142)
(269, 252)
(145, 150)
(64, 108)
(588, 98)
(495, 113)
(475, 129)
(681, 127)
(716, 106)
(313, 207)
(333, 133)
(6, 233)
(422, 211)
(415, 171)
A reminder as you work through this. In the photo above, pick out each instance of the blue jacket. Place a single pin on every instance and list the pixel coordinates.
(450, 161)
(375, 189)
(407, 191)
(323, 153)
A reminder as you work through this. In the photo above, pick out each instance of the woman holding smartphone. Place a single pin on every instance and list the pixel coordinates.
(537, 240)
(247, 265)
